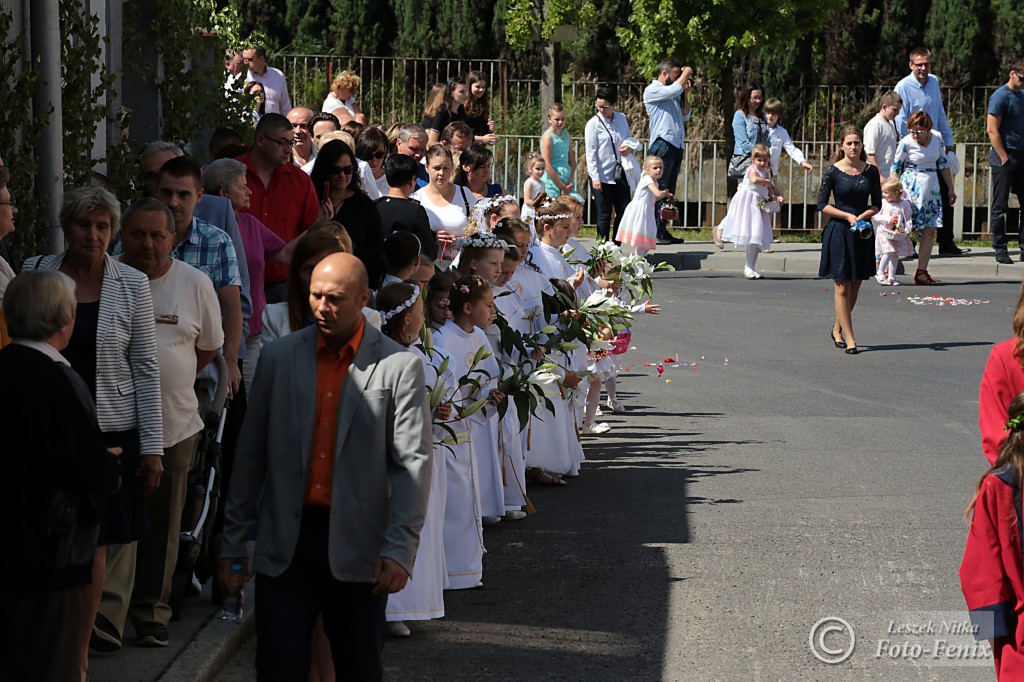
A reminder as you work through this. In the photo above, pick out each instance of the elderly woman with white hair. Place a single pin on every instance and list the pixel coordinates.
(113, 349)
(226, 178)
(60, 474)
(341, 101)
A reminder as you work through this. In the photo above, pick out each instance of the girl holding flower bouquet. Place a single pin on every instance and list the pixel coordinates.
(747, 223)
(402, 316)
(893, 223)
(483, 256)
(554, 448)
(474, 476)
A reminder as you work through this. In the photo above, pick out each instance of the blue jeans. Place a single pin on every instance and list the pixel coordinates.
(671, 157)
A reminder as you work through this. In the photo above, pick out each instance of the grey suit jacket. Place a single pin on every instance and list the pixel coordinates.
(381, 459)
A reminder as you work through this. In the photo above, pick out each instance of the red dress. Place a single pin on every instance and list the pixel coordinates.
(1002, 381)
(991, 572)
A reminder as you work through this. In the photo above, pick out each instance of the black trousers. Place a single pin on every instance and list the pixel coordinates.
(944, 235)
(1006, 177)
(611, 196)
(41, 634)
(290, 603)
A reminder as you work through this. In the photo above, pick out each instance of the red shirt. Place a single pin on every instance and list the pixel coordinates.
(331, 371)
(1002, 381)
(287, 206)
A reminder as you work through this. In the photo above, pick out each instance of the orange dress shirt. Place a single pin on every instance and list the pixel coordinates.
(331, 371)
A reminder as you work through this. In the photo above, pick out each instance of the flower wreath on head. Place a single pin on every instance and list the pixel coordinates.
(402, 307)
(487, 204)
(538, 218)
(481, 240)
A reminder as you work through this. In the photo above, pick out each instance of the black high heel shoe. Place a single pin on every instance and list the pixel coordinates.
(853, 350)
(839, 344)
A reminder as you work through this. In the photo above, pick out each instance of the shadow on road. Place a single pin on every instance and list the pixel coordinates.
(922, 346)
(579, 591)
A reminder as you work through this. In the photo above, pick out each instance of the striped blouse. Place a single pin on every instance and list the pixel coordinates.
(127, 373)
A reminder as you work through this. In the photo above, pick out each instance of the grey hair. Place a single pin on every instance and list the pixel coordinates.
(409, 131)
(220, 174)
(158, 146)
(38, 304)
(149, 205)
(82, 201)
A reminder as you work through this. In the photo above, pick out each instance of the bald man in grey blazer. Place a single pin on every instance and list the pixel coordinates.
(334, 463)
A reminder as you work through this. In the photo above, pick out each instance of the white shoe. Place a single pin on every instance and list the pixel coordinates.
(615, 405)
(397, 628)
(893, 283)
(490, 520)
(881, 279)
(751, 274)
(716, 236)
(596, 429)
(514, 515)
(598, 413)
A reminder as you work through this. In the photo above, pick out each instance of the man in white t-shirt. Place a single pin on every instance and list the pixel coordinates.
(880, 135)
(272, 80)
(188, 333)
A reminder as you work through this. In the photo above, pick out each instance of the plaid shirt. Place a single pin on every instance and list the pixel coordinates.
(209, 249)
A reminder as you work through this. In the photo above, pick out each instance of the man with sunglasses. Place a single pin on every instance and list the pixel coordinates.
(920, 92)
(283, 197)
(1005, 127)
(273, 81)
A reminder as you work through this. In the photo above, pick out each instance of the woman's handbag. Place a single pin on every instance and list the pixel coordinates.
(738, 165)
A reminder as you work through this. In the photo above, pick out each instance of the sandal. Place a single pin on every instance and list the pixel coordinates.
(538, 475)
(922, 278)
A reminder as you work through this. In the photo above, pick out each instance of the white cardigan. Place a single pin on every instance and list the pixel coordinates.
(127, 373)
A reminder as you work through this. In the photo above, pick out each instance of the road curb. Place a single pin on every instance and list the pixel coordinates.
(203, 658)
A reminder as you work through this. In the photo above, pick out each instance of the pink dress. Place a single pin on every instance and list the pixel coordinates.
(905, 214)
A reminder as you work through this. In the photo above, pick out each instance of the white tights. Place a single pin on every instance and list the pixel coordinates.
(887, 262)
(753, 250)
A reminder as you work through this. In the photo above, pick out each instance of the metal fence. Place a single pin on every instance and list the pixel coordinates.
(394, 89)
(702, 194)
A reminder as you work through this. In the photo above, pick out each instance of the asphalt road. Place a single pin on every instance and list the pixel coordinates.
(733, 508)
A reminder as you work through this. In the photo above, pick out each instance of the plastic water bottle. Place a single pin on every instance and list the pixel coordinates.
(232, 607)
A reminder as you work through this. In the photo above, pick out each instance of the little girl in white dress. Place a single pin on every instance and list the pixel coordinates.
(532, 187)
(639, 227)
(897, 216)
(747, 223)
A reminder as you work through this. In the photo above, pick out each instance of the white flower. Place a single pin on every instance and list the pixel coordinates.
(540, 378)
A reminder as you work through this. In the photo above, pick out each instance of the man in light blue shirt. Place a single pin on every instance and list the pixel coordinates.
(665, 99)
(920, 92)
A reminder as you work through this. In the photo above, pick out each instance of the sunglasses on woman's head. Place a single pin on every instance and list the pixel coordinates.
(338, 170)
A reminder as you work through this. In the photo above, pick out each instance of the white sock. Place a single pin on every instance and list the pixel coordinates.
(593, 399)
(885, 262)
(752, 252)
(610, 387)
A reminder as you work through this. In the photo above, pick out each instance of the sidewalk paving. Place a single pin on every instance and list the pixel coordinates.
(199, 645)
(803, 259)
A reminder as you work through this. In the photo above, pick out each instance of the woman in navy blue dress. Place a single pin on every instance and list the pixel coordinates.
(846, 256)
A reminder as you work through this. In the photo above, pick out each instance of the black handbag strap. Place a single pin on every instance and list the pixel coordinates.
(618, 159)
(465, 202)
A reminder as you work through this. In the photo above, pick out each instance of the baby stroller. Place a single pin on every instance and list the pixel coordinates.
(203, 495)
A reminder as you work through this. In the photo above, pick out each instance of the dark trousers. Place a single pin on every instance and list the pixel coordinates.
(42, 638)
(944, 235)
(611, 196)
(671, 158)
(1006, 177)
(289, 604)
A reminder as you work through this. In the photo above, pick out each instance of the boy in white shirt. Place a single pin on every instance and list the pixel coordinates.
(778, 139)
(880, 135)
